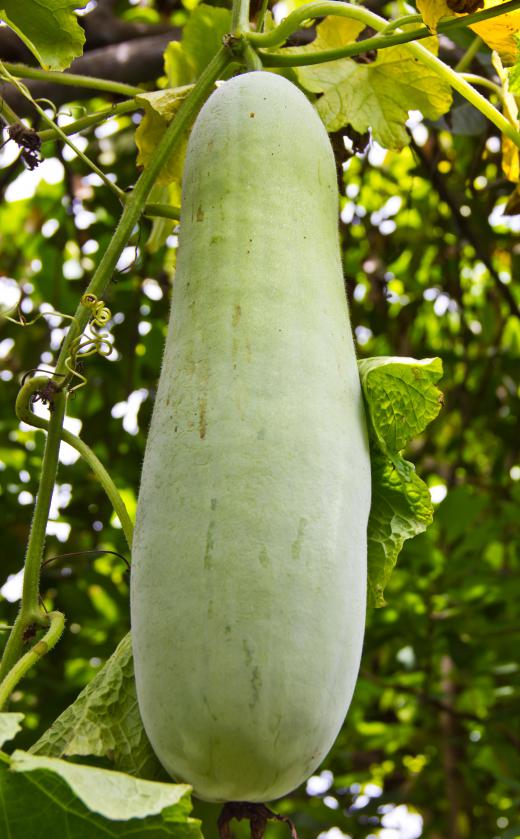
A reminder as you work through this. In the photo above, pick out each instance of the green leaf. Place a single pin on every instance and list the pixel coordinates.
(401, 509)
(10, 725)
(104, 721)
(50, 30)
(201, 39)
(378, 95)
(42, 796)
(401, 399)
(401, 396)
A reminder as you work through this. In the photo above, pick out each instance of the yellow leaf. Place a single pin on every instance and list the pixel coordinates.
(499, 32)
(510, 151)
(160, 106)
(377, 95)
(432, 11)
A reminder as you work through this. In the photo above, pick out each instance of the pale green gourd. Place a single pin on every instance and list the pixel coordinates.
(249, 568)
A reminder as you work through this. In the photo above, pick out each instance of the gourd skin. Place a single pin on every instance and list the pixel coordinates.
(249, 567)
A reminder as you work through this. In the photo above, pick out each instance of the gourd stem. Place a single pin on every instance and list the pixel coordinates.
(251, 58)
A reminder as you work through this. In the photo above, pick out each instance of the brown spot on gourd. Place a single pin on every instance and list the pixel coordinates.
(296, 547)
(237, 313)
(210, 544)
(264, 557)
(200, 214)
(252, 114)
(256, 683)
(202, 418)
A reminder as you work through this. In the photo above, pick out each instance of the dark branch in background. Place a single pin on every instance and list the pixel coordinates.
(132, 62)
(464, 227)
(115, 50)
(102, 27)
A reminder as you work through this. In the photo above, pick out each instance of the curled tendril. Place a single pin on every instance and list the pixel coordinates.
(100, 313)
(97, 342)
(100, 343)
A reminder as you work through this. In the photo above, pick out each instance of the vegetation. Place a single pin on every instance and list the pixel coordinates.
(430, 255)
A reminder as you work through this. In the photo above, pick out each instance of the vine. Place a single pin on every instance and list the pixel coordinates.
(246, 48)
(278, 36)
(15, 663)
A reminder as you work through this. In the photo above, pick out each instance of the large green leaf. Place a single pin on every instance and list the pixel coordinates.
(104, 721)
(201, 39)
(50, 29)
(43, 796)
(377, 95)
(401, 509)
(401, 399)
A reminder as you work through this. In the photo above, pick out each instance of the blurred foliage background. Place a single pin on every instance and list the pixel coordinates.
(431, 745)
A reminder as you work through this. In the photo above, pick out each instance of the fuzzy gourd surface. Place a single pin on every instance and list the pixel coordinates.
(249, 568)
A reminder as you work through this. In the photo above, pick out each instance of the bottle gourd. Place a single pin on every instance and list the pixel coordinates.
(249, 570)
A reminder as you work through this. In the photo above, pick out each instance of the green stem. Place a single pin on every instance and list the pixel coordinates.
(251, 58)
(469, 55)
(72, 79)
(261, 15)
(466, 90)
(473, 79)
(278, 36)
(56, 622)
(338, 9)
(4, 73)
(90, 119)
(162, 211)
(240, 17)
(406, 20)
(136, 200)
(30, 611)
(7, 114)
(24, 414)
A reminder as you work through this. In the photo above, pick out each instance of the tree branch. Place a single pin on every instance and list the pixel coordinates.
(132, 62)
